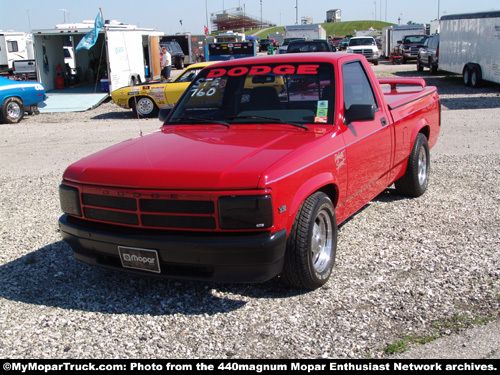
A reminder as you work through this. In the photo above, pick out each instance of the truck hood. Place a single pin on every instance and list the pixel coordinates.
(191, 157)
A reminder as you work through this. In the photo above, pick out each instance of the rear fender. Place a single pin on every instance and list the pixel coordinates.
(422, 126)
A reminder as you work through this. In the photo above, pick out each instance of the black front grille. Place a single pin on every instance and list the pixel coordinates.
(134, 210)
(172, 206)
(120, 203)
(111, 216)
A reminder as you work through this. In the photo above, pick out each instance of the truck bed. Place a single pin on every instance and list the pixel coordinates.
(399, 92)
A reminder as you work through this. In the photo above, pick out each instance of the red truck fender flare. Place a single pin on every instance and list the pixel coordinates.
(325, 181)
(422, 126)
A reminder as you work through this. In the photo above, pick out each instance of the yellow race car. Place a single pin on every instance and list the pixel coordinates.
(148, 98)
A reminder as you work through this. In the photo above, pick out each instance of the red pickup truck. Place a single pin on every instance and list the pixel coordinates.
(252, 171)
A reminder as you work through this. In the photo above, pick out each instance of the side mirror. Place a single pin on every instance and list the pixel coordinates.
(399, 42)
(359, 112)
(164, 112)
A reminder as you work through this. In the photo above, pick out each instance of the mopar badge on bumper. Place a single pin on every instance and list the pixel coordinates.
(139, 259)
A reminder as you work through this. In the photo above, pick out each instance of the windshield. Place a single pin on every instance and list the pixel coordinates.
(288, 93)
(308, 47)
(415, 39)
(362, 42)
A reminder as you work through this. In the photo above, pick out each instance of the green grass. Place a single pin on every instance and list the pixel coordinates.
(454, 324)
(404, 344)
(334, 29)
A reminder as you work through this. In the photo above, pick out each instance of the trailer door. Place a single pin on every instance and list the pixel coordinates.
(125, 58)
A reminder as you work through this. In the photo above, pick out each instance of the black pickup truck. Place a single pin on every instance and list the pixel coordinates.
(409, 46)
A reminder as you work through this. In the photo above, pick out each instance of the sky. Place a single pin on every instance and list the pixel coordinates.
(174, 16)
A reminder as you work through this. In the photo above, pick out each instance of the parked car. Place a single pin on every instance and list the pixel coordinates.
(17, 97)
(176, 53)
(365, 46)
(409, 46)
(309, 46)
(428, 54)
(335, 42)
(147, 98)
(264, 44)
(283, 47)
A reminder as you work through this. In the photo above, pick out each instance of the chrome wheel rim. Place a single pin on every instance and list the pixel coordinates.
(145, 106)
(422, 167)
(322, 242)
(13, 110)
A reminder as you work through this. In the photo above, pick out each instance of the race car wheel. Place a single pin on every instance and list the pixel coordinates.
(144, 107)
(12, 110)
(312, 244)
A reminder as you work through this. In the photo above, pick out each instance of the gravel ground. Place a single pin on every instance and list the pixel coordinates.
(407, 269)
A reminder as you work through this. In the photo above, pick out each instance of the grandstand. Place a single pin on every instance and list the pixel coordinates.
(237, 19)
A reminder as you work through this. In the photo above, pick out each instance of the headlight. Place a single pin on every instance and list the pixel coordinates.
(246, 212)
(349, 50)
(70, 200)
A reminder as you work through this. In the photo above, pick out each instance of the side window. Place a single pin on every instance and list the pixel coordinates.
(357, 87)
(12, 46)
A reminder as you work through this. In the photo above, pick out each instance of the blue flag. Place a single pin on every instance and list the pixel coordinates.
(89, 40)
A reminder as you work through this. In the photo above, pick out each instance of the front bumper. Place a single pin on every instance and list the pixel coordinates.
(238, 257)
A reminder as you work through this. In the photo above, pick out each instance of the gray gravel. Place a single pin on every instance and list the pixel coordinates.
(406, 268)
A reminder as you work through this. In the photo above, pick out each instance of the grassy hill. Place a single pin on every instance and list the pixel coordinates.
(334, 29)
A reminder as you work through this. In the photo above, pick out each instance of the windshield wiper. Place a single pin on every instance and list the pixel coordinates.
(269, 119)
(202, 120)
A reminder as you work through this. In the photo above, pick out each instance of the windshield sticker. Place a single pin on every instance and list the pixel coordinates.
(263, 69)
(322, 112)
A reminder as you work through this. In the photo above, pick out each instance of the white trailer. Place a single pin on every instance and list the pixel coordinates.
(392, 34)
(14, 46)
(120, 54)
(469, 44)
(308, 32)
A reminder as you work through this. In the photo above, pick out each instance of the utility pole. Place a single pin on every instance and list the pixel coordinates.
(29, 20)
(296, 12)
(261, 24)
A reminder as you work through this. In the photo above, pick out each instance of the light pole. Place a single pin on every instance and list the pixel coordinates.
(64, 12)
(29, 20)
(296, 12)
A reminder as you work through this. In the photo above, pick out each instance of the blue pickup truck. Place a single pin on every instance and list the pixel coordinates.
(16, 97)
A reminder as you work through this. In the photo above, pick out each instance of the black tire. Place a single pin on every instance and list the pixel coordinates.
(416, 178)
(466, 74)
(476, 77)
(420, 67)
(433, 67)
(144, 107)
(12, 110)
(312, 244)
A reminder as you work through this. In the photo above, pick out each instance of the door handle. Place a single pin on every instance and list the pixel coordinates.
(383, 121)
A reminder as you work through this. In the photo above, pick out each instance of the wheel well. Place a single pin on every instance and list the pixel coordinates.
(134, 99)
(425, 131)
(332, 191)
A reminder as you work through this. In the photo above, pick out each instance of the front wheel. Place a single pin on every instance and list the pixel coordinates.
(144, 107)
(12, 110)
(416, 178)
(312, 244)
